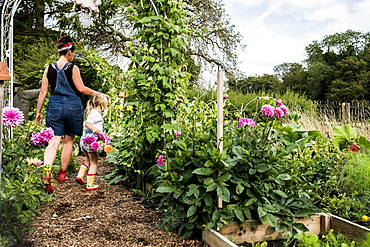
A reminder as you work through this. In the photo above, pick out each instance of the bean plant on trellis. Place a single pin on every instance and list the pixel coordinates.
(155, 81)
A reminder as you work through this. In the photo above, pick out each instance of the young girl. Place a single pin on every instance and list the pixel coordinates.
(94, 124)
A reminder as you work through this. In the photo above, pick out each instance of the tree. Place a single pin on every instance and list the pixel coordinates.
(352, 83)
(213, 40)
(336, 68)
(264, 83)
(292, 76)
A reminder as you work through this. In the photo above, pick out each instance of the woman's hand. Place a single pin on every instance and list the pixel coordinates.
(39, 118)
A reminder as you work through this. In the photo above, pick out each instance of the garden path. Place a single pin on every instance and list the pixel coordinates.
(111, 216)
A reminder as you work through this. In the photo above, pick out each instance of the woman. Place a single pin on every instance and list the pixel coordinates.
(65, 110)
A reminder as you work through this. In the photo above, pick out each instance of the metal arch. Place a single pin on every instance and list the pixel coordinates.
(7, 33)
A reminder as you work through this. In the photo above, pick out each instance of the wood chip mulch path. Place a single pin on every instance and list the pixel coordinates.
(111, 217)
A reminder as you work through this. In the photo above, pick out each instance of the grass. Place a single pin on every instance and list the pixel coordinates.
(326, 120)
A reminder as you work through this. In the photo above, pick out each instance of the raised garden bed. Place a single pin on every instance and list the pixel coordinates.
(252, 231)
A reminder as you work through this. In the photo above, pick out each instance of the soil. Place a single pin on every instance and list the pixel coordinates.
(112, 216)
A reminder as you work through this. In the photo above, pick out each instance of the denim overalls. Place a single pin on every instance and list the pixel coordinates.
(65, 110)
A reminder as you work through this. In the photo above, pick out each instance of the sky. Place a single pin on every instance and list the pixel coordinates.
(277, 31)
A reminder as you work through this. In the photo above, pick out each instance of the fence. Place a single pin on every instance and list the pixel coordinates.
(344, 112)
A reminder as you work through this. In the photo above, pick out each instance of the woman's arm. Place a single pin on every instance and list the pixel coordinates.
(77, 80)
(42, 96)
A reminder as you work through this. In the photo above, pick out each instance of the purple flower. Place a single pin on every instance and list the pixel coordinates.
(284, 109)
(104, 137)
(101, 136)
(278, 102)
(246, 121)
(36, 139)
(279, 112)
(160, 160)
(47, 134)
(94, 146)
(42, 138)
(226, 96)
(268, 110)
(177, 133)
(88, 140)
(12, 116)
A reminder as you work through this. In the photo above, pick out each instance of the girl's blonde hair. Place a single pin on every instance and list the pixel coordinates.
(96, 101)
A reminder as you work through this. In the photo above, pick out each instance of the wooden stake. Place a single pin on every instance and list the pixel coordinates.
(220, 118)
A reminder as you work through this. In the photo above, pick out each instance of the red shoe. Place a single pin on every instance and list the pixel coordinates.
(80, 181)
(62, 176)
(49, 189)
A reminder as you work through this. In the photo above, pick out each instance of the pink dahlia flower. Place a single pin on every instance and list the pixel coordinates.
(177, 133)
(12, 116)
(88, 140)
(47, 134)
(278, 102)
(160, 160)
(104, 137)
(94, 146)
(246, 121)
(268, 110)
(101, 136)
(284, 109)
(279, 112)
(42, 138)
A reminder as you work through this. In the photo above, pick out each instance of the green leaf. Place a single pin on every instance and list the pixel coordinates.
(247, 213)
(215, 215)
(169, 113)
(303, 213)
(211, 187)
(224, 177)
(271, 219)
(208, 181)
(262, 167)
(223, 193)
(261, 212)
(250, 201)
(300, 227)
(169, 127)
(271, 208)
(193, 190)
(191, 211)
(166, 189)
(208, 200)
(203, 171)
(284, 177)
(239, 188)
(280, 193)
(363, 143)
(239, 214)
(343, 135)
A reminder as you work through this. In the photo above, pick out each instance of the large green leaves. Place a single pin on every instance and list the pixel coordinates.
(343, 136)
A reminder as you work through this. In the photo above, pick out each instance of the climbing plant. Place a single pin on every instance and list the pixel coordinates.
(155, 81)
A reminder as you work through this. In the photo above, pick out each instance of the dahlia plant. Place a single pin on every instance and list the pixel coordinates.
(21, 186)
(251, 176)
